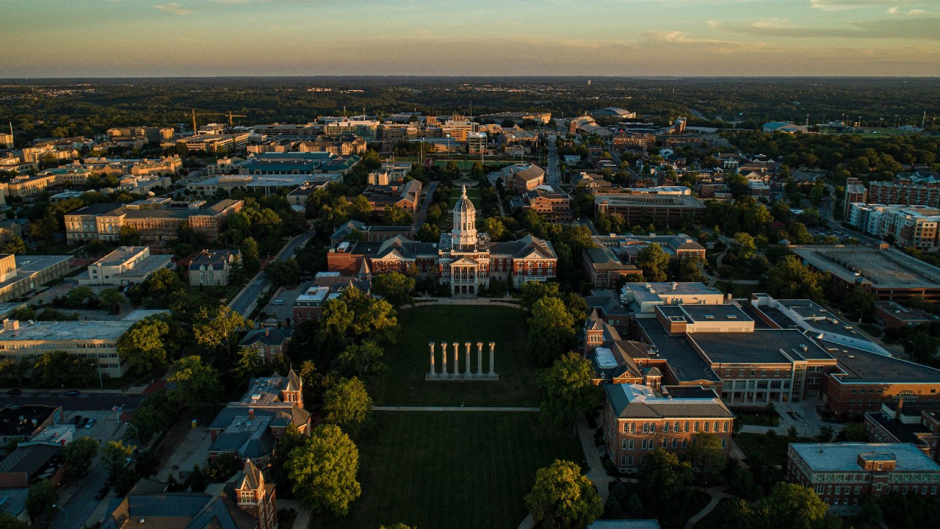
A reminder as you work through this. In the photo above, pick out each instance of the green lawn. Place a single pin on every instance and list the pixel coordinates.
(451, 470)
(409, 359)
(473, 194)
(773, 450)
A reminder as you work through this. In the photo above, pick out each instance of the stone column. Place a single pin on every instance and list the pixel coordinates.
(456, 357)
(479, 359)
(431, 345)
(467, 345)
(444, 358)
(492, 355)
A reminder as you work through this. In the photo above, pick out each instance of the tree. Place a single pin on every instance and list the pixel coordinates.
(428, 233)
(78, 456)
(744, 246)
(196, 381)
(114, 457)
(706, 453)
(791, 279)
(563, 497)
(361, 360)
(323, 471)
(654, 261)
(219, 327)
(248, 363)
(59, 369)
(9, 521)
(280, 458)
(567, 390)
(142, 345)
(13, 245)
(494, 228)
(394, 287)
(665, 486)
(41, 498)
(551, 330)
(129, 236)
(861, 301)
(396, 215)
(791, 506)
(347, 404)
(79, 295)
(853, 432)
(251, 259)
(111, 299)
(283, 272)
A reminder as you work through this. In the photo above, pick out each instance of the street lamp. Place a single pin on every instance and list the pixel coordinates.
(68, 519)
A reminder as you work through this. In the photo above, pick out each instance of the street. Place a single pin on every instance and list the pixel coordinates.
(423, 212)
(84, 401)
(553, 174)
(245, 301)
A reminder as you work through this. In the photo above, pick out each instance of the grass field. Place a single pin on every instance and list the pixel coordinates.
(774, 450)
(472, 193)
(409, 360)
(438, 470)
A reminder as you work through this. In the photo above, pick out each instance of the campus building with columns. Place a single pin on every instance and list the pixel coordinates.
(464, 259)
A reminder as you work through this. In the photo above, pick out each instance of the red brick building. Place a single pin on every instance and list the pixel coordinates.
(843, 473)
(639, 420)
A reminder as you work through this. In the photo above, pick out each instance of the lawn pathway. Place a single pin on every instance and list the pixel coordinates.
(717, 494)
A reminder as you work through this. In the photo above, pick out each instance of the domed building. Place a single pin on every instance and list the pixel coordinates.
(464, 259)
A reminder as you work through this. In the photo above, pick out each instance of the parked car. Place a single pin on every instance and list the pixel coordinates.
(71, 393)
(102, 492)
(90, 423)
(75, 419)
(14, 392)
(277, 302)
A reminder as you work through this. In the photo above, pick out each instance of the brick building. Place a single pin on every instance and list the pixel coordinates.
(551, 205)
(639, 420)
(843, 473)
(153, 222)
(605, 269)
(917, 423)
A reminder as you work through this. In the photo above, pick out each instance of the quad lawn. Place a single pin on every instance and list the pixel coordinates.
(473, 194)
(451, 469)
(771, 449)
(409, 359)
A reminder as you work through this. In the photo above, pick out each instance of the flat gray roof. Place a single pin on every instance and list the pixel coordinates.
(883, 268)
(682, 358)
(843, 457)
(760, 346)
(864, 367)
(50, 331)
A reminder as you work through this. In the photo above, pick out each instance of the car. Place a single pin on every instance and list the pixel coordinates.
(277, 302)
(75, 420)
(14, 392)
(102, 492)
(71, 393)
(90, 423)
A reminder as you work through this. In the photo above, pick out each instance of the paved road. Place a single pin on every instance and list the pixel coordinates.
(553, 174)
(423, 212)
(83, 503)
(85, 401)
(454, 408)
(245, 300)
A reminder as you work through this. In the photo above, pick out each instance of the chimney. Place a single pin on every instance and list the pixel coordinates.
(267, 331)
(251, 414)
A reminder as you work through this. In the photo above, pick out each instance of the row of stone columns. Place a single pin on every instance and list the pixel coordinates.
(467, 374)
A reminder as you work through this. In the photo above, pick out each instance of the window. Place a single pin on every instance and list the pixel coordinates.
(675, 442)
(631, 444)
(694, 440)
(632, 427)
(623, 445)
(685, 427)
(665, 442)
(724, 443)
(724, 428)
(630, 460)
(625, 428)
(666, 427)
(685, 443)
(644, 444)
(623, 460)
(695, 426)
(646, 428)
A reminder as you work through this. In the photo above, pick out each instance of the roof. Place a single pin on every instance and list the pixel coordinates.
(886, 268)
(861, 367)
(266, 336)
(682, 359)
(765, 346)
(214, 259)
(843, 457)
(29, 459)
(638, 401)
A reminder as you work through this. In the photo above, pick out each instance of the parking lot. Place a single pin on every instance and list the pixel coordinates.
(287, 296)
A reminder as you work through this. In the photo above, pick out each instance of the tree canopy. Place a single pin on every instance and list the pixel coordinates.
(323, 471)
(563, 497)
(567, 391)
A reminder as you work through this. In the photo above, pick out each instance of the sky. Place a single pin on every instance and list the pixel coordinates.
(156, 38)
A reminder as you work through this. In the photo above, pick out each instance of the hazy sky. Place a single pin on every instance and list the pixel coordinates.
(104, 38)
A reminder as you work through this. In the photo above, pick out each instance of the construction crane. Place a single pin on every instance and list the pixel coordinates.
(230, 115)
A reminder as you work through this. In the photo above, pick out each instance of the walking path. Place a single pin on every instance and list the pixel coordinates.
(717, 494)
(455, 408)
(419, 302)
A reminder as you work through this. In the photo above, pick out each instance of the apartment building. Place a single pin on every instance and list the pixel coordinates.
(27, 341)
(639, 420)
(154, 220)
(843, 473)
(155, 135)
(910, 226)
(855, 192)
(905, 191)
(6, 140)
(127, 265)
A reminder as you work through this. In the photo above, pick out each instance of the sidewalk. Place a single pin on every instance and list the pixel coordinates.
(717, 494)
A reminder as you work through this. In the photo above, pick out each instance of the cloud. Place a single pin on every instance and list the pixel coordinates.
(916, 12)
(917, 28)
(174, 8)
(839, 5)
(893, 10)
